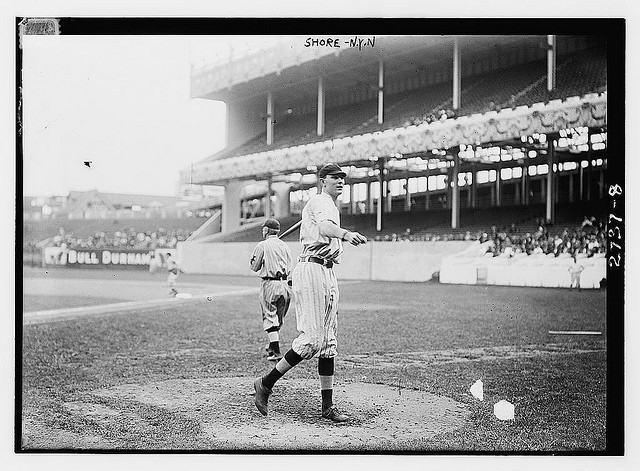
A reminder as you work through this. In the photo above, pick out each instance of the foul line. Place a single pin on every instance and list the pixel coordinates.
(128, 306)
(574, 332)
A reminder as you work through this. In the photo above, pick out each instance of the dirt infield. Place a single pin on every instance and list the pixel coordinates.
(381, 415)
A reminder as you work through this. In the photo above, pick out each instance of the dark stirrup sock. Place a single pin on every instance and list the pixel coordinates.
(290, 360)
(326, 367)
(292, 357)
(327, 398)
(274, 347)
(270, 379)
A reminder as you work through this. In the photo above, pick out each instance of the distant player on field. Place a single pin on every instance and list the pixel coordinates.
(315, 292)
(271, 259)
(575, 269)
(174, 271)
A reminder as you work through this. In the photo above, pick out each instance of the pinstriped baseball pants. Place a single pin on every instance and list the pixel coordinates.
(315, 296)
(275, 297)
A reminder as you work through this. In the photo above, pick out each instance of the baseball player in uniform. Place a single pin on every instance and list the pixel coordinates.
(315, 292)
(575, 269)
(271, 259)
(174, 271)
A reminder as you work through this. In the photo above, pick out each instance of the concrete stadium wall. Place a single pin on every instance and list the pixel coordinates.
(539, 271)
(388, 261)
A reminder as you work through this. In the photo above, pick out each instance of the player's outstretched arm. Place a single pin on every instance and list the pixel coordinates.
(330, 229)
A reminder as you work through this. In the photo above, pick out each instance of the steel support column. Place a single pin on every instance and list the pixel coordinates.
(551, 62)
(382, 197)
(498, 186)
(321, 102)
(457, 87)
(407, 195)
(455, 191)
(571, 187)
(601, 185)
(381, 92)
(268, 212)
(427, 194)
(474, 186)
(551, 188)
(269, 118)
(352, 198)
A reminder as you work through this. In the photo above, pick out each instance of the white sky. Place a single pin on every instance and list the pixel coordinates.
(121, 102)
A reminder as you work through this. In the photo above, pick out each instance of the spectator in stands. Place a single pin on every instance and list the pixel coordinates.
(127, 238)
(588, 222)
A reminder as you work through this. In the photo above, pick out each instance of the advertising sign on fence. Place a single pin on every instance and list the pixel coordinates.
(98, 258)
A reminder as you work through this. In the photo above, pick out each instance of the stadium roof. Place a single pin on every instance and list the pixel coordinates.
(292, 66)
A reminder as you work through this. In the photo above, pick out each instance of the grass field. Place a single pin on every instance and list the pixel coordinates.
(89, 382)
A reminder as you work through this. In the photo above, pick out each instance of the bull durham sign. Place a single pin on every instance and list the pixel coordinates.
(101, 258)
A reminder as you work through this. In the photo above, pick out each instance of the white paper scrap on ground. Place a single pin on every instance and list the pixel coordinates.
(184, 295)
(476, 390)
(504, 410)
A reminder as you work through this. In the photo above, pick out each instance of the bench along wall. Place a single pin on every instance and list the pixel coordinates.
(384, 261)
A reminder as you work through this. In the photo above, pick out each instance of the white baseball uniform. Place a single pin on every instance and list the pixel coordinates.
(173, 269)
(271, 258)
(315, 287)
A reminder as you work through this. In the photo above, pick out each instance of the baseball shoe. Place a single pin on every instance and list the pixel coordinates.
(173, 293)
(333, 413)
(273, 356)
(262, 396)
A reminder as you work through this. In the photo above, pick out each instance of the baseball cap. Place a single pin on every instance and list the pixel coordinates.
(271, 224)
(331, 169)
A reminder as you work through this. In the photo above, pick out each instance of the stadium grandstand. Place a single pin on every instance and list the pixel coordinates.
(458, 131)
(94, 219)
(458, 141)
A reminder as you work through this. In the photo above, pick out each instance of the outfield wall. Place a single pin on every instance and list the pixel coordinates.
(388, 261)
(539, 270)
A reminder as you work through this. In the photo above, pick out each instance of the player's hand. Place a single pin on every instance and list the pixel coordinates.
(355, 238)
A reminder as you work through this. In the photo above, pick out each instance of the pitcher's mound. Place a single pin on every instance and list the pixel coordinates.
(383, 417)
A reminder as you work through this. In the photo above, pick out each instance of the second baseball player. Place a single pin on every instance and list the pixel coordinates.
(271, 258)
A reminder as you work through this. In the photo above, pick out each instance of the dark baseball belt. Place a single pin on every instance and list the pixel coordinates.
(319, 260)
(275, 278)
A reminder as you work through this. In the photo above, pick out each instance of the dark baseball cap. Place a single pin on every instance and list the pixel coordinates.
(331, 169)
(272, 224)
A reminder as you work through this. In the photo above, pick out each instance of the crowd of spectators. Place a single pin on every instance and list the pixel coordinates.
(126, 238)
(408, 236)
(440, 115)
(586, 240)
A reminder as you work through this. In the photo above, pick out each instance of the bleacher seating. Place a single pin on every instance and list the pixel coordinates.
(437, 223)
(524, 84)
(39, 230)
(498, 87)
(576, 75)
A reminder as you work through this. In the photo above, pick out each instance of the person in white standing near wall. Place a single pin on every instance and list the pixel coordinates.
(174, 271)
(315, 292)
(575, 269)
(271, 259)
